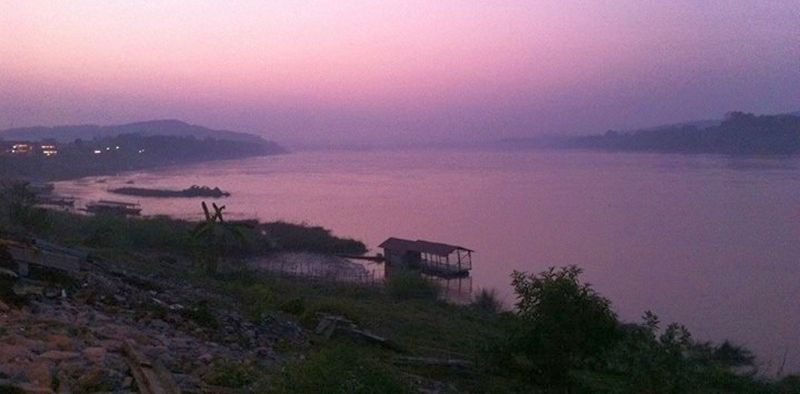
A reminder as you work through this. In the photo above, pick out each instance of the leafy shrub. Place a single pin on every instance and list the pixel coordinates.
(17, 204)
(562, 325)
(564, 335)
(407, 284)
(730, 355)
(487, 301)
(219, 241)
(648, 360)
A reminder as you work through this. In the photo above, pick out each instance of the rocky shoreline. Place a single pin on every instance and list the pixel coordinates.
(82, 339)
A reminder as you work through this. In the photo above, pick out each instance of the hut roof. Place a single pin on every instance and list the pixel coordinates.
(421, 246)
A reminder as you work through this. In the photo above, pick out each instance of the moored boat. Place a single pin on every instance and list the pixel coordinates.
(106, 207)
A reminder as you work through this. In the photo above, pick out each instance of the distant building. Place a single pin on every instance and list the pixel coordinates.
(24, 148)
(21, 149)
(49, 150)
(430, 257)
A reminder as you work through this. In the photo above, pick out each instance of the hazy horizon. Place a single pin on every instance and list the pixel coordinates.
(348, 71)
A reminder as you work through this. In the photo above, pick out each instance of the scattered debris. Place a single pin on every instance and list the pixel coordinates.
(150, 378)
(27, 252)
(329, 324)
(8, 273)
(125, 328)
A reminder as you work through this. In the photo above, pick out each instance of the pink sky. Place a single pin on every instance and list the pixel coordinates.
(303, 71)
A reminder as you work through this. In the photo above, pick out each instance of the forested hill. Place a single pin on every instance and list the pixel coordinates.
(101, 156)
(738, 134)
(147, 128)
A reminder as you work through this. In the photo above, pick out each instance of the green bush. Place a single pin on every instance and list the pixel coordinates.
(407, 284)
(645, 359)
(564, 335)
(562, 324)
(487, 301)
(17, 207)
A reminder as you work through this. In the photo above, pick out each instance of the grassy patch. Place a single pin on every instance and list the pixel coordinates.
(421, 326)
(337, 370)
(5, 389)
(406, 285)
(302, 237)
(201, 314)
(233, 374)
(487, 301)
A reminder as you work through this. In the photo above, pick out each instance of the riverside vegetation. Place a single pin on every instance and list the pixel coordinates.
(561, 336)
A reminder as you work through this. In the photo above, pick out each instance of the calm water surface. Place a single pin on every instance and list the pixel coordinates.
(710, 242)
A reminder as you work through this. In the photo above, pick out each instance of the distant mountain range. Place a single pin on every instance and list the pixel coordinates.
(148, 128)
(87, 150)
(738, 134)
(699, 124)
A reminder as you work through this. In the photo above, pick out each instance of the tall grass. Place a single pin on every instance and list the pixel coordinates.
(337, 370)
(406, 284)
(302, 237)
(487, 301)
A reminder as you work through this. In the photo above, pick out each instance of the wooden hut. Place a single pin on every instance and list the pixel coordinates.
(432, 258)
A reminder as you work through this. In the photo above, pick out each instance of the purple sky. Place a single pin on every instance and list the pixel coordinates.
(301, 71)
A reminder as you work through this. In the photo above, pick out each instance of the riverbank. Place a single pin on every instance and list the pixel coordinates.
(528, 210)
(127, 152)
(394, 338)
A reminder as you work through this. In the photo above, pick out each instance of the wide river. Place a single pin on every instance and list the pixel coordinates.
(711, 242)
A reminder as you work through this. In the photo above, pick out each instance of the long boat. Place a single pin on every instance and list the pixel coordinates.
(106, 207)
(56, 201)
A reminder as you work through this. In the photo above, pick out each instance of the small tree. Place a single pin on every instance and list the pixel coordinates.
(563, 325)
(217, 238)
(17, 200)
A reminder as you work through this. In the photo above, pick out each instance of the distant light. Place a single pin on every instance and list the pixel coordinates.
(49, 150)
(141, 150)
(108, 148)
(97, 152)
(116, 147)
(20, 148)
